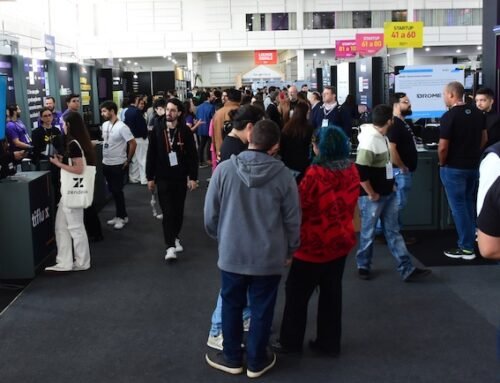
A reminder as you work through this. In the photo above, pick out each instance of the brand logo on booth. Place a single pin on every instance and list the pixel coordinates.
(428, 95)
(39, 216)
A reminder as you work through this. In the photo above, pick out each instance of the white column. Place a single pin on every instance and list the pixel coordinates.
(300, 15)
(301, 68)
(410, 53)
(190, 67)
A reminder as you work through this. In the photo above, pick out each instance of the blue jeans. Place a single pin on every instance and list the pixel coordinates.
(385, 209)
(403, 186)
(216, 328)
(262, 292)
(460, 186)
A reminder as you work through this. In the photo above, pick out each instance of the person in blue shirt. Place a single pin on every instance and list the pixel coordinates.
(204, 113)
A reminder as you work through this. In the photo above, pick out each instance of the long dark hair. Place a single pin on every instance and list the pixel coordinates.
(298, 126)
(76, 130)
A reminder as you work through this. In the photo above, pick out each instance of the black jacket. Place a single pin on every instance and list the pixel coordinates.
(157, 161)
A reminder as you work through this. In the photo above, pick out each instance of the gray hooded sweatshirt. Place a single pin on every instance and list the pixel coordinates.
(252, 208)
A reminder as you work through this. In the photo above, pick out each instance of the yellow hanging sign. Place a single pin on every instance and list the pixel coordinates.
(404, 34)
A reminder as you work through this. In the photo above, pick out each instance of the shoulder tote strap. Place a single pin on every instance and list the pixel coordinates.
(83, 154)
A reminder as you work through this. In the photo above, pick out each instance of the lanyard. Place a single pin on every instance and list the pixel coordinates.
(109, 131)
(409, 130)
(169, 141)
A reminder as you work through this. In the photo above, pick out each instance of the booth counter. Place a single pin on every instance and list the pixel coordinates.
(26, 224)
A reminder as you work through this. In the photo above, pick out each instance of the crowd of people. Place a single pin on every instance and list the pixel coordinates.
(281, 173)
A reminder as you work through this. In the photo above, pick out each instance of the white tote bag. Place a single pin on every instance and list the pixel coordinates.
(77, 190)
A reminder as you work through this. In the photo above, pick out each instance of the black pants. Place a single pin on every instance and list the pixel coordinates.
(171, 195)
(115, 176)
(92, 223)
(204, 148)
(302, 280)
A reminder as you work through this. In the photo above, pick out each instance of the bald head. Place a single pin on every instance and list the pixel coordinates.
(292, 93)
(453, 93)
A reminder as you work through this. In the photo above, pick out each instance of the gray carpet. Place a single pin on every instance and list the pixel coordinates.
(132, 318)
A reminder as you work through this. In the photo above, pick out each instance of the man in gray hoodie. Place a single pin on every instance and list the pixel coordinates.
(252, 209)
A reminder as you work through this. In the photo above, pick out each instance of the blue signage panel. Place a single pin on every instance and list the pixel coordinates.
(3, 104)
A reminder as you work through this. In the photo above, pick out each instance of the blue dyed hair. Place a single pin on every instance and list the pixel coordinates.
(333, 144)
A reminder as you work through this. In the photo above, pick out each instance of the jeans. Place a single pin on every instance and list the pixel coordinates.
(262, 292)
(216, 328)
(115, 176)
(302, 280)
(172, 195)
(460, 186)
(385, 209)
(403, 186)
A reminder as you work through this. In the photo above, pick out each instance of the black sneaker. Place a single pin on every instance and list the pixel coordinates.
(417, 274)
(460, 253)
(364, 274)
(261, 370)
(319, 349)
(216, 360)
(278, 348)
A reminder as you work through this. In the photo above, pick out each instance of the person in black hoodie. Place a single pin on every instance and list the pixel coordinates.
(172, 165)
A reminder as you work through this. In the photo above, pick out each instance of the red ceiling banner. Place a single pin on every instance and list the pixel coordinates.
(345, 49)
(266, 57)
(369, 44)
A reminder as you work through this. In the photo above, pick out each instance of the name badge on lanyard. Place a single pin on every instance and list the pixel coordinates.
(388, 171)
(172, 158)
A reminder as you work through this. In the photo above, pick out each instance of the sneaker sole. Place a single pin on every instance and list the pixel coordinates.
(454, 256)
(468, 257)
(256, 374)
(229, 370)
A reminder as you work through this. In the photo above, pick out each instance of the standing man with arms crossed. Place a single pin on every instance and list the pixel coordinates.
(134, 119)
(257, 195)
(172, 165)
(115, 159)
(462, 137)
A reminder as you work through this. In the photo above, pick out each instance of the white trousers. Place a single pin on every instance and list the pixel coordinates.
(71, 234)
(137, 169)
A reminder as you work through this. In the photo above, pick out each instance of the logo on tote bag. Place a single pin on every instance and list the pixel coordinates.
(78, 183)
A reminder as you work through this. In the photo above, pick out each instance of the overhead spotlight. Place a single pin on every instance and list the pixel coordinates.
(120, 60)
(388, 55)
(135, 75)
(322, 52)
(427, 49)
(458, 51)
(135, 63)
(314, 54)
(169, 58)
(128, 61)
(479, 48)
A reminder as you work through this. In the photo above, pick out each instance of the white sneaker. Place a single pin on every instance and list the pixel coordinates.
(170, 255)
(120, 223)
(215, 341)
(57, 267)
(178, 246)
(113, 221)
(80, 268)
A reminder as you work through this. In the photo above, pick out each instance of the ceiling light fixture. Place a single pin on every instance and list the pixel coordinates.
(128, 61)
(322, 52)
(458, 51)
(120, 60)
(479, 48)
(427, 49)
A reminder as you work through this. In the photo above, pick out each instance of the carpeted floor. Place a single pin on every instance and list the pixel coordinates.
(132, 318)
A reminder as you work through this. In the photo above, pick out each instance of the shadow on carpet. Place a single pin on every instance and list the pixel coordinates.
(431, 244)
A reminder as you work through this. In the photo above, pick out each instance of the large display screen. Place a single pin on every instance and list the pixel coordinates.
(424, 87)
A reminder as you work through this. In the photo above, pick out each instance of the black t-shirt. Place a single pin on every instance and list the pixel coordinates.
(489, 217)
(231, 145)
(42, 137)
(402, 135)
(463, 126)
(73, 152)
(493, 127)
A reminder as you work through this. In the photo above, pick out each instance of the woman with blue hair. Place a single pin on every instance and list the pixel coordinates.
(328, 194)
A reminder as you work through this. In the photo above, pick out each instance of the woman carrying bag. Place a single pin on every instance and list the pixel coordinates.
(77, 185)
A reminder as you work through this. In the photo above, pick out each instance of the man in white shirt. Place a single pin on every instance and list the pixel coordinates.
(115, 159)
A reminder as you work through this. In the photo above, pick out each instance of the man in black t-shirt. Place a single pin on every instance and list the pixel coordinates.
(403, 150)
(462, 137)
(484, 102)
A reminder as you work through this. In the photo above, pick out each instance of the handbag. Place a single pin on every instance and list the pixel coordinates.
(77, 190)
